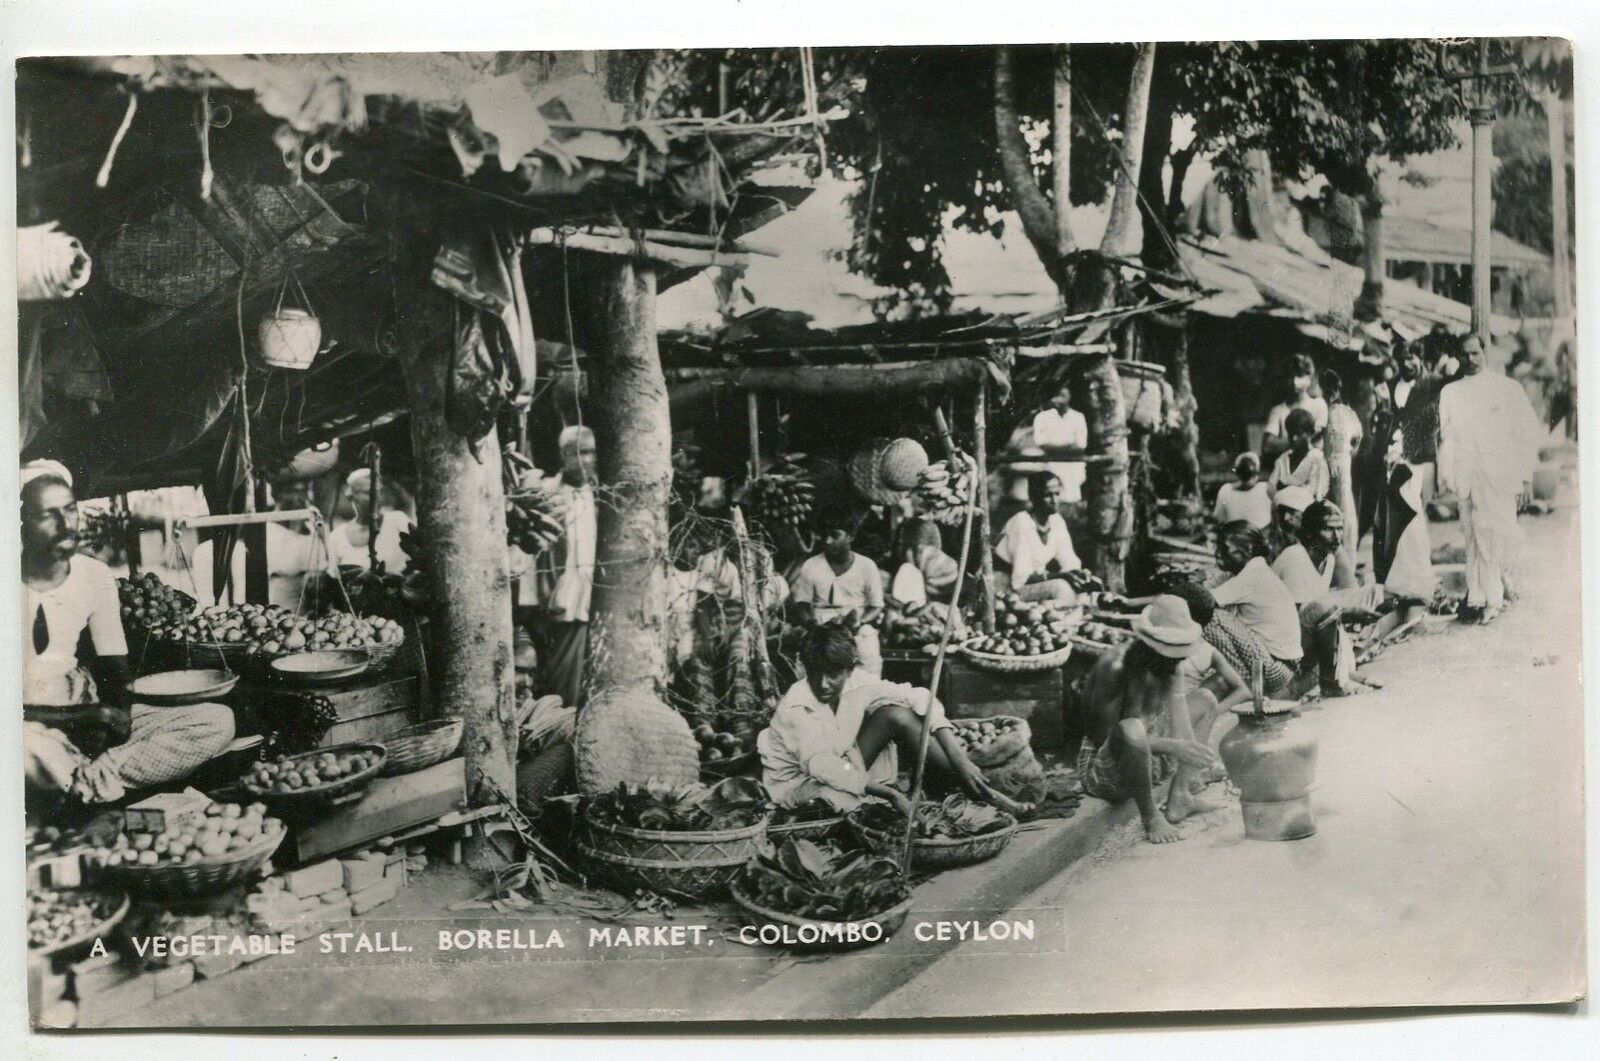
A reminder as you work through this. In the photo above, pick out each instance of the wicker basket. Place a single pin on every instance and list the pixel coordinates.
(693, 865)
(936, 854)
(1017, 664)
(99, 928)
(421, 746)
(206, 877)
(821, 829)
(384, 655)
(900, 463)
(889, 921)
(303, 799)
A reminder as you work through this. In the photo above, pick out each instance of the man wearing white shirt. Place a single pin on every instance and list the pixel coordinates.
(566, 574)
(1059, 426)
(1036, 547)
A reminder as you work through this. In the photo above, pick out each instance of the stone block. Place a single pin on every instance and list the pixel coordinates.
(396, 871)
(211, 966)
(376, 895)
(362, 873)
(58, 1014)
(96, 975)
(330, 913)
(333, 895)
(173, 978)
(315, 879)
(105, 1007)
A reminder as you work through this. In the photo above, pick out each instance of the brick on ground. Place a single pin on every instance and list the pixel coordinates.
(211, 966)
(173, 978)
(94, 975)
(315, 879)
(376, 895)
(331, 912)
(362, 873)
(106, 1006)
(333, 895)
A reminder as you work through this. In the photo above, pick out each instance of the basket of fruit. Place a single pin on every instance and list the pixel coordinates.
(421, 746)
(316, 778)
(250, 636)
(815, 819)
(148, 602)
(688, 842)
(1028, 637)
(1099, 638)
(61, 919)
(726, 748)
(822, 899)
(955, 832)
(991, 741)
(226, 846)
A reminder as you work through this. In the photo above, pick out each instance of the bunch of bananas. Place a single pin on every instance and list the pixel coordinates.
(782, 496)
(943, 486)
(536, 513)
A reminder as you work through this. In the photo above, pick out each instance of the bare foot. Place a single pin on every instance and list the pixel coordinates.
(1160, 831)
(1015, 808)
(1183, 805)
(1330, 690)
(1489, 615)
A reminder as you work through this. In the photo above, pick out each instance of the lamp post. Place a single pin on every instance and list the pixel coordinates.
(1477, 86)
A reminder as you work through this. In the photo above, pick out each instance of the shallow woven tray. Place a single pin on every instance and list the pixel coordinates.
(937, 854)
(693, 864)
(890, 919)
(218, 683)
(421, 746)
(205, 877)
(1017, 664)
(99, 928)
(301, 799)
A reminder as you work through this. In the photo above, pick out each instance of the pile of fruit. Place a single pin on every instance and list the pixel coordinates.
(1024, 629)
(536, 512)
(915, 625)
(824, 884)
(982, 739)
(311, 771)
(730, 738)
(955, 818)
(57, 915)
(148, 602)
(783, 495)
(730, 804)
(1102, 636)
(943, 486)
(268, 630)
(225, 828)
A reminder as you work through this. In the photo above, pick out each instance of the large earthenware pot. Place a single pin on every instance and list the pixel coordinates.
(1272, 757)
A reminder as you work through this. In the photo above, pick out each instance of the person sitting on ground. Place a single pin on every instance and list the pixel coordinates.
(1035, 548)
(1261, 603)
(839, 584)
(926, 572)
(1287, 506)
(1247, 498)
(82, 734)
(1301, 465)
(1316, 570)
(1142, 727)
(839, 734)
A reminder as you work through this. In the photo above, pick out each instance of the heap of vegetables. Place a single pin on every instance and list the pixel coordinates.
(955, 818)
(914, 625)
(822, 883)
(268, 630)
(1025, 629)
(735, 803)
(56, 916)
(148, 602)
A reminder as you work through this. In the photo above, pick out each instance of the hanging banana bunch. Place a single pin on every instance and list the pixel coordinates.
(943, 486)
(536, 514)
(783, 495)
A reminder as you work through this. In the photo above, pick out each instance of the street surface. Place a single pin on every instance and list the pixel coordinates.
(1447, 867)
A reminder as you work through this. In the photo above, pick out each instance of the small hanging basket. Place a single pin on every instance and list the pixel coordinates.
(290, 336)
(1144, 393)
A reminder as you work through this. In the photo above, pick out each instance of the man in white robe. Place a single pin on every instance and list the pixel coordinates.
(1488, 448)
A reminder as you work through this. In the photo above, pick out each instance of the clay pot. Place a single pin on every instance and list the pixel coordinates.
(289, 338)
(1272, 757)
(1144, 388)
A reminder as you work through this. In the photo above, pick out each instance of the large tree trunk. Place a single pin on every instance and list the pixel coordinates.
(626, 732)
(1120, 238)
(1155, 251)
(1110, 513)
(461, 514)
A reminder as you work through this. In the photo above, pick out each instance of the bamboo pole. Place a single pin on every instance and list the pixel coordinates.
(752, 413)
(628, 247)
(919, 768)
(980, 446)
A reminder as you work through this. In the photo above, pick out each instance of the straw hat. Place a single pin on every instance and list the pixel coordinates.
(1167, 627)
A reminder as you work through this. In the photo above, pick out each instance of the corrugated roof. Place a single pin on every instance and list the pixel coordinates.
(1417, 239)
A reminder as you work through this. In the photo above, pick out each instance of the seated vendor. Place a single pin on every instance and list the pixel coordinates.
(925, 572)
(1318, 575)
(81, 734)
(1143, 727)
(839, 734)
(1287, 506)
(1035, 548)
(1301, 464)
(839, 584)
(1260, 602)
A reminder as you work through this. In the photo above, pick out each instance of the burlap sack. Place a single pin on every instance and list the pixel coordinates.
(1020, 777)
(1002, 748)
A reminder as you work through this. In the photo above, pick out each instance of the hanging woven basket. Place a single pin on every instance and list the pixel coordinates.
(289, 338)
(1144, 388)
(901, 462)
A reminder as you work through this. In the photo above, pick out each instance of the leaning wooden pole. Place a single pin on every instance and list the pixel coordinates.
(980, 453)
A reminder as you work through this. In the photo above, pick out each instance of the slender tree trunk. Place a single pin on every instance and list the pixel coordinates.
(461, 514)
(626, 732)
(1154, 251)
(1120, 238)
(1061, 150)
(1369, 305)
(1555, 111)
(1180, 172)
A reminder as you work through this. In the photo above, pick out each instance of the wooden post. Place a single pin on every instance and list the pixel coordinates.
(131, 545)
(752, 415)
(980, 446)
